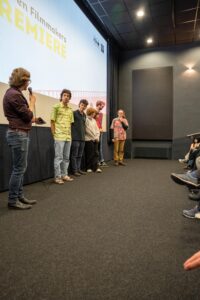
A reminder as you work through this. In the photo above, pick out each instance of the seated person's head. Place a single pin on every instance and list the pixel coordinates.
(196, 140)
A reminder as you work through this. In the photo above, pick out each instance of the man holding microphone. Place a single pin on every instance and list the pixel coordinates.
(20, 117)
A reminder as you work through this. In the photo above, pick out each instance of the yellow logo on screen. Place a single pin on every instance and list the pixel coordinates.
(22, 22)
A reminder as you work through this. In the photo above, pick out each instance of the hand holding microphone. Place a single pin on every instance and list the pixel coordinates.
(32, 100)
(30, 90)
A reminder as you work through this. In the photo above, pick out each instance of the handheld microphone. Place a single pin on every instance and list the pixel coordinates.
(39, 120)
(30, 90)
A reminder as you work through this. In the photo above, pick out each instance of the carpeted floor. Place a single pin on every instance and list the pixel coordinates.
(118, 235)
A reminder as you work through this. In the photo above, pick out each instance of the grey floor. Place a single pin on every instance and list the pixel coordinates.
(115, 235)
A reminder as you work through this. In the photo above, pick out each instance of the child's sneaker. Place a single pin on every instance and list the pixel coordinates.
(58, 180)
(67, 178)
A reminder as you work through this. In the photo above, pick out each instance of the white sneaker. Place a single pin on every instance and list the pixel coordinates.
(182, 160)
(99, 170)
(67, 178)
(58, 180)
(89, 171)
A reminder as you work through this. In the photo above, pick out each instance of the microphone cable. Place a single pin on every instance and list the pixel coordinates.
(46, 185)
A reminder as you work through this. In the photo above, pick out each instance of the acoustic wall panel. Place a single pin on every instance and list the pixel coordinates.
(152, 103)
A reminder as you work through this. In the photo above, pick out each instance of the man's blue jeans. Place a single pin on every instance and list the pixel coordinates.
(61, 160)
(18, 141)
(76, 155)
(195, 174)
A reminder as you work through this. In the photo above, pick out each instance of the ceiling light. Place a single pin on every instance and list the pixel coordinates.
(149, 41)
(140, 13)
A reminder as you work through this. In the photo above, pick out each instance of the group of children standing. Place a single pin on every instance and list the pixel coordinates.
(76, 133)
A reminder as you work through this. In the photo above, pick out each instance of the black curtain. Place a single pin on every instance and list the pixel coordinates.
(112, 84)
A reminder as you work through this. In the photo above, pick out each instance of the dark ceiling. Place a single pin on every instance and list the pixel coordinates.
(168, 22)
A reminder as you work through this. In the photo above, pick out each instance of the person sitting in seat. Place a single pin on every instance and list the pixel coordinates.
(190, 156)
(191, 180)
(194, 153)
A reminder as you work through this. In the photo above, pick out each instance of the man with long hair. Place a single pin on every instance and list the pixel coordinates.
(20, 117)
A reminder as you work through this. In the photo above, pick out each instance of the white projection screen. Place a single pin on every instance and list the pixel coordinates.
(61, 48)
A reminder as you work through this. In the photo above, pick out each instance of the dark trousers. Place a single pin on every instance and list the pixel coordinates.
(77, 149)
(192, 157)
(19, 143)
(91, 155)
(100, 148)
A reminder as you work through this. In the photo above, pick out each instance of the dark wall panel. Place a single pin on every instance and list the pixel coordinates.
(152, 104)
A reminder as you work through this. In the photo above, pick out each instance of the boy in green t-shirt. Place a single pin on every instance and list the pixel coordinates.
(61, 120)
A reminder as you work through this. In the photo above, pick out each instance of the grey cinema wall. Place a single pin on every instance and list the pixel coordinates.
(186, 89)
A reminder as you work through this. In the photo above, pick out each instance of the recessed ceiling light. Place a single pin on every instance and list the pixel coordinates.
(149, 41)
(140, 13)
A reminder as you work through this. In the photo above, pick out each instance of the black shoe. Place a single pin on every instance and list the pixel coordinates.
(193, 190)
(121, 163)
(77, 174)
(26, 201)
(103, 164)
(19, 205)
(194, 196)
(82, 172)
